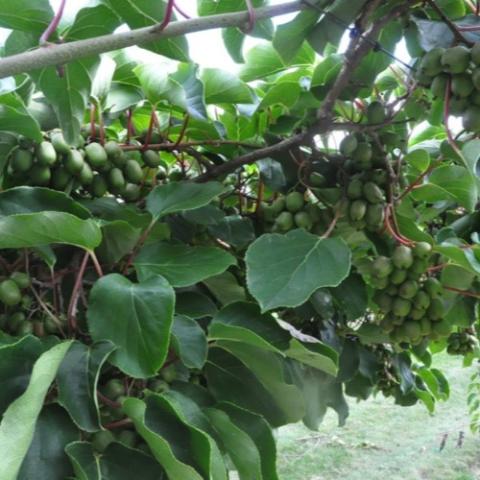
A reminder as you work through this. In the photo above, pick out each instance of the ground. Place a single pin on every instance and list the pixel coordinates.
(384, 441)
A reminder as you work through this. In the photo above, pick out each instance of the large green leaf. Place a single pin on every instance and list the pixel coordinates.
(117, 462)
(167, 436)
(189, 342)
(136, 318)
(16, 363)
(142, 13)
(180, 264)
(18, 422)
(225, 87)
(15, 118)
(46, 459)
(187, 76)
(28, 15)
(306, 263)
(77, 382)
(176, 197)
(118, 239)
(38, 199)
(44, 228)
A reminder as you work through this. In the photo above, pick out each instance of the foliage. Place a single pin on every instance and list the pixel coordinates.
(194, 258)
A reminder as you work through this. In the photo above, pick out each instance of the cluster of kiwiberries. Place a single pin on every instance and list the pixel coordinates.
(462, 343)
(366, 182)
(409, 300)
(93, 169)
(291, 211)
(456, 68)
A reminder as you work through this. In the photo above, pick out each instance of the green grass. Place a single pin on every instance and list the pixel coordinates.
(384, 441)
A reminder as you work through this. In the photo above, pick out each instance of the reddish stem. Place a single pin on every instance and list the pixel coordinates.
(148, 138)
(168, 16)
(391, 230)
(182, 132)
(96, 264)
(120, 423)
(107, 401)
(137, 247)
(93, 131)
(72, 307)
(332, 225)
(181, 12)
(252, 17)
(260, 194)
(130, 128)
(53, 24)
(436, 268)
(465, 293)
(417, 181)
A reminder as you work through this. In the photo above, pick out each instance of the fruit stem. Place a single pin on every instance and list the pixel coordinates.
(167, 18)
(182, 132)
(152, 123)
(93, 132)
(96, 263)
(107, 401)
(252, 18)
(53, 24)
(130, 128)
(465, 293)
(72, 306)
(121, 423)
(332, 225)
(418, 180)
(391, 230)
(181, 12)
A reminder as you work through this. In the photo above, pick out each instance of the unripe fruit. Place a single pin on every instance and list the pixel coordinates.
(425, 326)
(116, 179)
(284, 222)
(401, 307)
(59, 143)
(317, 180)
(442, 328)
(412, 329)
(128, 438)
(476, 78)
(384, 301)
(303, 220)
(15, 320)
(422, 250)
(74, 162)
(433, 287)
(436, 310)
(379, 177)
(431, 63)
(60, 178)
(462, 85)
(169, 374)
(113, 389)
(475, 53)
(25, 328)
(99, 187)
(375, 215)
(421, 300)
(294, 202)
(456, 59)
(358, 209)
(158, 386)
(96, 155)
(133, 171)
(267, 212)
(382, 267)
(113, 150)
(376, 113)
(278, 205)
(355, 189)
(408, 289)
(417, 314)
(362, 156)
(151, 158)
(373, 193)
(439, 86)
(40, 175)
(132, 192)
(21, 279)
(402, 257)
(101, 440)
(471, 119)
(458, 105)
(398, 276)
(86, 174)
(474, 98)
(46, 154)
(392, 290)
(348, 145)
(21, 161)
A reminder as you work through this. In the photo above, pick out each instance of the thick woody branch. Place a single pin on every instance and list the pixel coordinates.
(68, 52)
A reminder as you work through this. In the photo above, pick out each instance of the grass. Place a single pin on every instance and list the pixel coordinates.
(384, 441)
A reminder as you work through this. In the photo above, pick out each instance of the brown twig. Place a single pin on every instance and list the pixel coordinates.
(72, 307)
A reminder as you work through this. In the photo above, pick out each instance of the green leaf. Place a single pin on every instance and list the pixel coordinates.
(457, 181)
(239, 446)
(117, 462)
(259, 431)
(187, 76)
(284, 93)
(176, 197)
(189, 342)
(225, 288)
(93, 22)
(181, 264)
(351, 296)
(290, 36)
(159, 86)
(224, 87)
(118, 239)
(307, 264)
(315, 355)
(27, 15)
(235, 230)
(255, 382)
(140, 326)
(233, 38)
(142, 13)
(461, 254)
(77, 380)
(15, 436)
(46, 459)
(37, 199)
(45, 228)
(166, 435)
(15, 118)
(16, 363)
(194, 305)
(419, 159)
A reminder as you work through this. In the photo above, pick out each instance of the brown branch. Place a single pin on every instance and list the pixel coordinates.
(453, 28)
